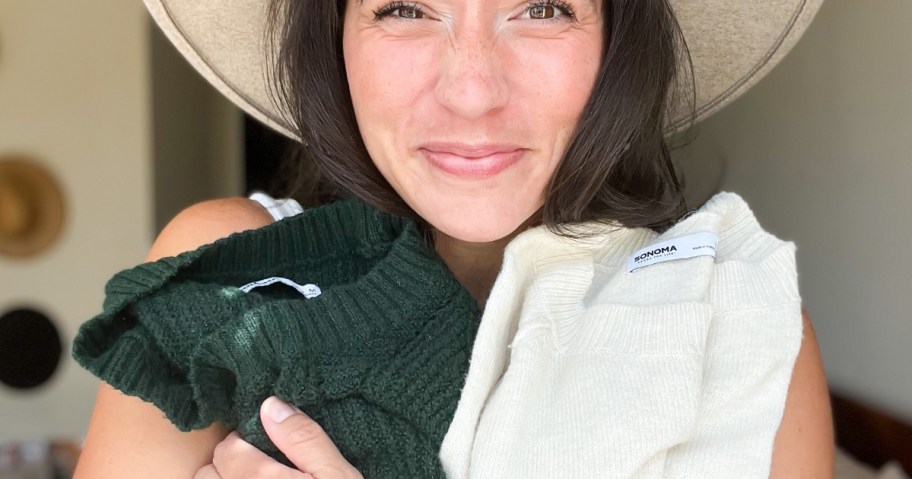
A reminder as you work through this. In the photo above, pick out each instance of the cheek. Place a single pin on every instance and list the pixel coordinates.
(554, 80)
(385, 84)
(386, 79)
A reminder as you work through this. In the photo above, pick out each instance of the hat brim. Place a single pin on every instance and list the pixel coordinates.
(733, 44)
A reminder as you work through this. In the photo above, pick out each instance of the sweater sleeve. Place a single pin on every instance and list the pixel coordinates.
(193, 346)
(752, 345)
(149, 339)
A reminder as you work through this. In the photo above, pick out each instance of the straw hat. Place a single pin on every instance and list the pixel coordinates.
(733, 44)
(31, 207)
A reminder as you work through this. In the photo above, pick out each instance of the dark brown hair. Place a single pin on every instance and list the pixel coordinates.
(617, 167)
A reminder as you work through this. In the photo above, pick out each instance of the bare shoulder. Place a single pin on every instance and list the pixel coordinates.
(804, 446)
(131, 438)
(206, 222)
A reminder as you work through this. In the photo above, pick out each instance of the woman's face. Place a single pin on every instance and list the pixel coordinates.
(466, 106)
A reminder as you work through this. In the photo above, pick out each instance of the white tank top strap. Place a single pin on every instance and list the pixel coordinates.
(278, 208)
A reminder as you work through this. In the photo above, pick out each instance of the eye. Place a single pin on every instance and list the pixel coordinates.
(541, 12)
(550, 10)
(399, 10)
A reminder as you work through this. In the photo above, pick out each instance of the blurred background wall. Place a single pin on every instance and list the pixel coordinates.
(74, 94)
(96, 96)
(819, 149)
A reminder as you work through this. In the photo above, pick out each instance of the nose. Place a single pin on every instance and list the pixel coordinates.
(472, 82)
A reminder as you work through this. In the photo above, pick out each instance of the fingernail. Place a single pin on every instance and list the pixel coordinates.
(277, 410)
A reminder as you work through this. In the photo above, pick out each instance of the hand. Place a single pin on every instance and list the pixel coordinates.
(298, 436)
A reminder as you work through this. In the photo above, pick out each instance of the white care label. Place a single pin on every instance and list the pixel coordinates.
(308, 290)
(697, 244)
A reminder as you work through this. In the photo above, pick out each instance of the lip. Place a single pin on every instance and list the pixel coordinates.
(471, 161)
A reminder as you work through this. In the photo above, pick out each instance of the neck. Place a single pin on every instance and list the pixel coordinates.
(475, 265)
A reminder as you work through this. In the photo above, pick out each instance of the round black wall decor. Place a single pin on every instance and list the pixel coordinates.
(30, 348)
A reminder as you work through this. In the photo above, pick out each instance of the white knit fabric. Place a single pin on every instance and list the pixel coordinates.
(677, 370)
(279, 209)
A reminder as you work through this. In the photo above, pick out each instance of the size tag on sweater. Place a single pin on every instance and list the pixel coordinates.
(308, 290)
(697, 244)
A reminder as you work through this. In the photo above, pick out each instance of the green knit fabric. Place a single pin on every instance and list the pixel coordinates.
(378, 359)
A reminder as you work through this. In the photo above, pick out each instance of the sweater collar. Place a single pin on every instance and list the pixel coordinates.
(725, 214)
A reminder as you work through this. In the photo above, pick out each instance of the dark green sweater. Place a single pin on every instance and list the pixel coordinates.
(378, 359)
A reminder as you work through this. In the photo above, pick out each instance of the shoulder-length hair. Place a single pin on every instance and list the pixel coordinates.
(617, 167)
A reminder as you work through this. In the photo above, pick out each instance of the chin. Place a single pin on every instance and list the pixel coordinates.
(482, 224)
(471, 233)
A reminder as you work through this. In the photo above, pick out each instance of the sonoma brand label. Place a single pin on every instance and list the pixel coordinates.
(697, 244)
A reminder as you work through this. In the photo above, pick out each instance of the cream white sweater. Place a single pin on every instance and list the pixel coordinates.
(679, 369)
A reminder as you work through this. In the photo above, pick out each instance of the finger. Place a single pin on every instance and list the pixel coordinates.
(207, 472)
(235, 458)
(304, 442)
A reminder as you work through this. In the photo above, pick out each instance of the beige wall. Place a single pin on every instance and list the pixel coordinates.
(74, 92)
(132, 134)
(821, 151)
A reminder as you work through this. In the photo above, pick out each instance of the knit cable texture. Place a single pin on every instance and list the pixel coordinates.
(378, 359)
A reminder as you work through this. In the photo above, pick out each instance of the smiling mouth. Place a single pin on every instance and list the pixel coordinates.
(471, 161)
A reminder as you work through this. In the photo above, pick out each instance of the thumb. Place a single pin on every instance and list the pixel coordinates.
(304, 442)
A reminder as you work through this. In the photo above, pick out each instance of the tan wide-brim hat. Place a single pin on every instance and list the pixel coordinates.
(31, 207)
(732, 43)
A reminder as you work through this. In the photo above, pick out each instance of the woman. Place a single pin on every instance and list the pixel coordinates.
(540, 177)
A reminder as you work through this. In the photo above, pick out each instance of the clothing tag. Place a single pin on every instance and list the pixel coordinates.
(308, 290)
(697, 244)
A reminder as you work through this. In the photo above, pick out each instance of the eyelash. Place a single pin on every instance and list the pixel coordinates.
(391, 7)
